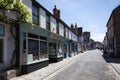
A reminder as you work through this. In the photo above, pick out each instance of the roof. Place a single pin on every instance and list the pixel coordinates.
(112, 14)
(39, 5)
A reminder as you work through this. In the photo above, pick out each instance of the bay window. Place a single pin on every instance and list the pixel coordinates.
(34, 49)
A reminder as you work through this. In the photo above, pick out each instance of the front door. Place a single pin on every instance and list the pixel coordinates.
(1, 50)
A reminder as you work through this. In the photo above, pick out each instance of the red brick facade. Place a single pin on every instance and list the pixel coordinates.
(113, 31)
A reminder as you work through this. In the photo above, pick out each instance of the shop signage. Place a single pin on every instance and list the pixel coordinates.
(56, 36)
(2, 30)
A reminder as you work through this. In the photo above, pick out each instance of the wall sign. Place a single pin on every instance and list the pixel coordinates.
(2, 30)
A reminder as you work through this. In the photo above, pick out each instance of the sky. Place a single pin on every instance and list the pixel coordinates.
(92, 15)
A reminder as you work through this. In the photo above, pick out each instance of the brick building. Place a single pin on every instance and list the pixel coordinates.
(113, 31)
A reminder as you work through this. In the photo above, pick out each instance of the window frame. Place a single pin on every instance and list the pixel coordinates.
(47, 21)
(29, 58)
(57, 23)
(34, 14)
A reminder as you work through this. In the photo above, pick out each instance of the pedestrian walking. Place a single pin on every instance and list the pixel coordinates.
(105, 52)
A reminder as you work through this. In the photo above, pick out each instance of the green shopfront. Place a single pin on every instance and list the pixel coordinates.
(33, 48)
(55, 47)
(38, 47)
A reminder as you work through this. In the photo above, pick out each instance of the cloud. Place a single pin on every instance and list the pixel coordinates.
(98, 37)
(97, 33)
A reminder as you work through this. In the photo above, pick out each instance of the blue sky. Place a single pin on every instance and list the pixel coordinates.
(92, 15)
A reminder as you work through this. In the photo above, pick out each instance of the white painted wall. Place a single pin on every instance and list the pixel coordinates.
(53, 27)
(61, 29)
(74, 37)
(42, 18)
(28, 4)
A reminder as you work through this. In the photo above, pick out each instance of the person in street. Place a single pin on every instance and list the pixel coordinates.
(111, 53)
(105, 52)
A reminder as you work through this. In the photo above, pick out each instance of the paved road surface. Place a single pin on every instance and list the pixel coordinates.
(91, 66)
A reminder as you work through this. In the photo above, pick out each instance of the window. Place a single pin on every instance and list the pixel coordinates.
(1, 50)
(47, 22)
(57, 28)
(52, 49)
(64, 31)
(33, 48)
(43, 49)
(59, 46)
(35, 14)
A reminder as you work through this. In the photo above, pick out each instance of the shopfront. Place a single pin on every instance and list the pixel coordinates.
(33, 48)
(55, 47)
(66, 48)
(73, 48)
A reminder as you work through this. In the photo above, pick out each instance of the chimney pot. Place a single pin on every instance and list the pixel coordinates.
(56, 12)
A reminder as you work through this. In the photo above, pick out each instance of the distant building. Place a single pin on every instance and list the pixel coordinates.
(99, 45)
(113, 31)
(86, 39)
(105, 41)
(86, 36)
(80, 39)
(80, 30)
(91, 44)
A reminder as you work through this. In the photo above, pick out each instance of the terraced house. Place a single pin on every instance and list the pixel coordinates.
(49, 40)
(113, 32)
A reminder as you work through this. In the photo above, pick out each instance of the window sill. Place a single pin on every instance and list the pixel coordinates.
(41, 60)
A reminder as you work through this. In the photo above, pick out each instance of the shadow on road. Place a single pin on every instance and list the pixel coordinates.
(111, 59)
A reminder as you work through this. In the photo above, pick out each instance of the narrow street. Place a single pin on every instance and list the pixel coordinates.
(91, 66)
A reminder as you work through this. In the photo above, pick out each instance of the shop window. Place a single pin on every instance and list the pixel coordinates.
(35, 14)
(43, 50)
(52, 49)
(1, 50)
(59, 49)
(47, 22)
(33, 49)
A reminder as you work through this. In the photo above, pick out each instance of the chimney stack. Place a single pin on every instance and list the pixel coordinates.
(56, 12)
(76, 29)
(72, 26)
